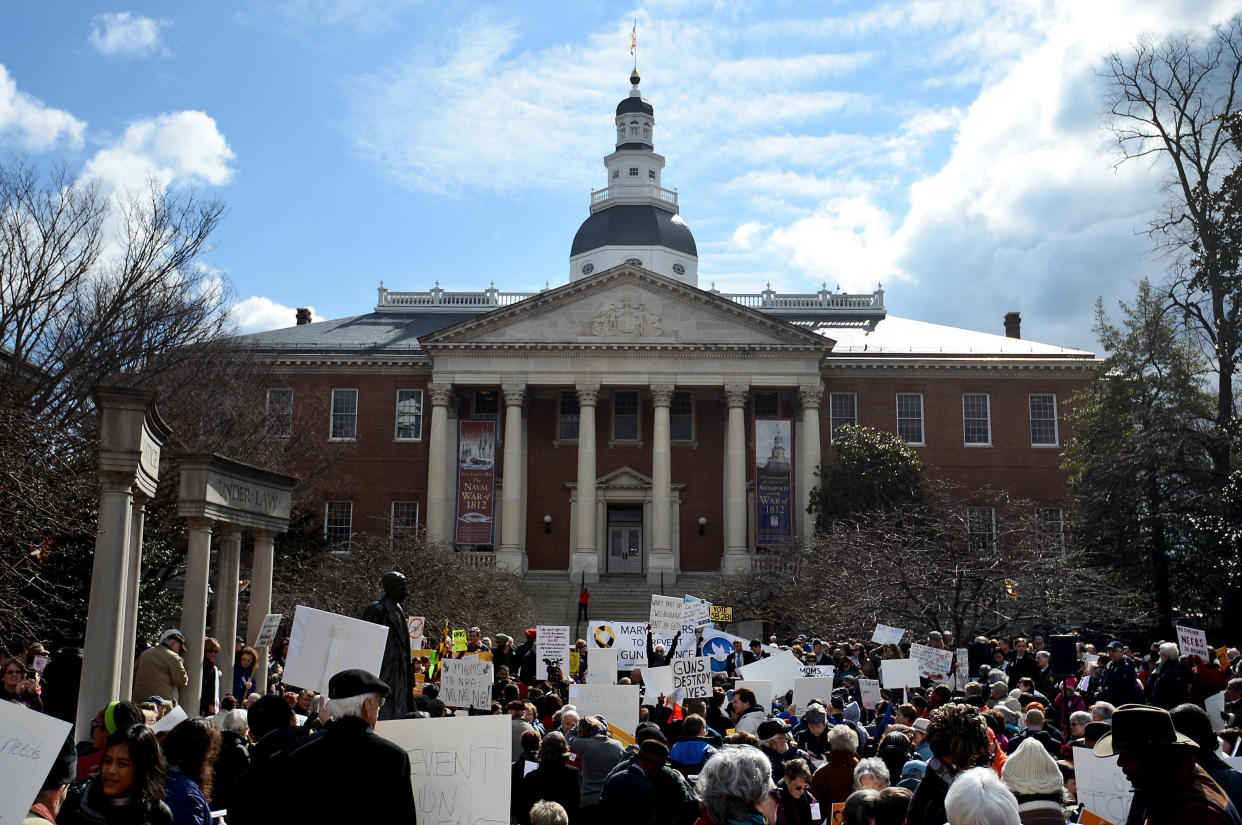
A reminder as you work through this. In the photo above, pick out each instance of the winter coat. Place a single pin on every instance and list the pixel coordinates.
(87, 805)
(599, 755)
(750, 721)
(233, 760)
(256, 795)
(1168, 685)
(927, 805)
(689, 754)
(553, 781)
(792, 811)
(160, 672)
(834, 781)
(186, 800)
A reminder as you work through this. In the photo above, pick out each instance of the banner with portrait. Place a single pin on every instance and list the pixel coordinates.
(773, 482)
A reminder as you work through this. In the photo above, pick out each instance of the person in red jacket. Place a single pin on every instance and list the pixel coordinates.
(584, 596)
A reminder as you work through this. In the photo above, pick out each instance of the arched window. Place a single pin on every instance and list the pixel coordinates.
(634, 261)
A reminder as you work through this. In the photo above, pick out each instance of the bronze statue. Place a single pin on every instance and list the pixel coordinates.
(396, 670)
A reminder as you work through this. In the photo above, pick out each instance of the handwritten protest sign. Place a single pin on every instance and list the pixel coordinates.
(322, 644)
(666, 614)
(1102, 788)
(267, 632)
(450, 760)
(886, 635)
(551, 644)
(962, 660)
(694, 675)
(466, 683)
(934, 663)
(618, 704)
(31, 743)
(1193, 642)
(780, 669)
(720, 613)
(459, 641)
(697, 612)
(601, 667)
(899, 673)
(764, 691)
(820, 671)
(870, 690)
(418, 626)
(808, 688)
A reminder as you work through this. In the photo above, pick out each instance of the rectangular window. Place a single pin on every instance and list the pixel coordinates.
(910, 417)
(344, 415)
(338, 524)
(1050, 522)
(625, 415)
(981, 528)
(767, 405)
(633, 171)
(616, 173)
(486, 404)
(567, 417)
(977, 418)
(280, 412)
(409, 415)
(843, 409)
(1043, 420)
(650, 174)
(404, 518)
(681, 417)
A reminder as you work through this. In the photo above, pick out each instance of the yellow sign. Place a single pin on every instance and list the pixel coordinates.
(419, 679)
(720, 613)
(459, 640)
(620, 735)
(1222, 657)
(1088, 818)
(573, 663)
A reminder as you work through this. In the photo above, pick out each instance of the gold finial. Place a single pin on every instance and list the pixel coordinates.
(635, 77)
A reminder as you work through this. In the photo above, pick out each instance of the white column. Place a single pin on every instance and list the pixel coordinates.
(583, 558)
(228, 573)
(661, 559)
(437, 462)
(133, 574)
(737, 555)
(101, 668)
(809, 454)
(510, 556)
(194, 609)
(260, 602)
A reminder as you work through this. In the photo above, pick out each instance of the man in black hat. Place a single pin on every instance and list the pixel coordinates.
(630, 796)
(369, 776)
(1116, 685)
(396, 668)
(1170, 788)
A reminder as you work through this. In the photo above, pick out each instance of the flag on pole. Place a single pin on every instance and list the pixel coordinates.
(634, 37)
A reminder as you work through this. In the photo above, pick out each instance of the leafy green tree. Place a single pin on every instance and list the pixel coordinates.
(872, 471)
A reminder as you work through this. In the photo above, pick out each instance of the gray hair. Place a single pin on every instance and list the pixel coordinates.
(1104, 710)
(843, 738)
(873, 766)
(548, 813)
(732, 782)
(978, 797)
(1080, 717)
(350, 706)
(234, 721)
(1168, 651)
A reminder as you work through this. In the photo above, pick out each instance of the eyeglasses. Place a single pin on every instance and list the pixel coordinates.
(97, 725)
(14, 673)
(798, 788)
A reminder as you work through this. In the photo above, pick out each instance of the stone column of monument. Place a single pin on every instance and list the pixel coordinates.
(737, 556)
(584, 559)
(661, 559)
(260, 602)
(437, 463)
(509, 558)
(133, 576)
(228, 575)
(194, 607)
(809, 454)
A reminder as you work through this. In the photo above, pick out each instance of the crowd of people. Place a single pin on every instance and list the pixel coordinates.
(997, 750)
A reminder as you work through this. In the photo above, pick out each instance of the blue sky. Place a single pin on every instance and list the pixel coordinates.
(952, 150)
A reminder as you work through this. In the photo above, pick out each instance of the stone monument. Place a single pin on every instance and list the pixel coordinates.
(396, 670)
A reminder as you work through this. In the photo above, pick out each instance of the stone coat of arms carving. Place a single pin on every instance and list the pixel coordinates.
(626, 316)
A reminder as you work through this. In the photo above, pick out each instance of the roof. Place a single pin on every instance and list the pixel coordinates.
(892, 336)
(629, 105)
(397, 333)
(634, 225)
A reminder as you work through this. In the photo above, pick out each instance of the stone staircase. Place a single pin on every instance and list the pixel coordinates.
(616, 596)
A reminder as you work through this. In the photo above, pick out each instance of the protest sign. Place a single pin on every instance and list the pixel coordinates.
(666, 613)
(899, 673)
(694, 675)
(459, 641)
(551, 645)
(618, 704)
(697, 612)
(720, 613)
(934, 663)
(1222, 656)
(657, 681)
(418, 626)
(1215, 706)
(1102, 788)
(31, 743)
(466, 683)
(870, 690)
(1193, 642)
(886, 635)
(780, 669)
(813, 687)
(629, 639)
(601, 667)
(1090, 658)
(267, 632)
(450, 760)
(814, 671)
(1234, 762)
(168, 721)
(322, 644)
(962, 661)
(718, 645)
(764, 691)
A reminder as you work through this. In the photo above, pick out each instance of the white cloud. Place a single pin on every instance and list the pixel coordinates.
(173, 149)
(29, 124)
(124, 34)
(260, 314)
(744, 235)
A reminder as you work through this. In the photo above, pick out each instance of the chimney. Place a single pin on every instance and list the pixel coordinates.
(1013, 325)
(304, 316)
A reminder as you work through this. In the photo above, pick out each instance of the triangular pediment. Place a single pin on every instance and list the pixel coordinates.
(625, 307)
(625, 478)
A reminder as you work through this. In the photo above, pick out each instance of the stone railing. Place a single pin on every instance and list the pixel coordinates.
(476, 559)
(632, 193)
(817, 302)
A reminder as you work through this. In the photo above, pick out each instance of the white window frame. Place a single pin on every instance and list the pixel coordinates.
(922, 442)
(633, 171)
(286, 415)
(327, 514)
(988, 398)
(690, 438)
(1056, 422)
(392, 518)
(832, 413)
(638, 418)
(396, 423)
(1059, 520)
(332, 416)
(972, 516)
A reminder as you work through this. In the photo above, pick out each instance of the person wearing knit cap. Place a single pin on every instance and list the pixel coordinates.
(1033, 776)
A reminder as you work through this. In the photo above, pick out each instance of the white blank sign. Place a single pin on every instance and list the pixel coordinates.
(323, 644)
